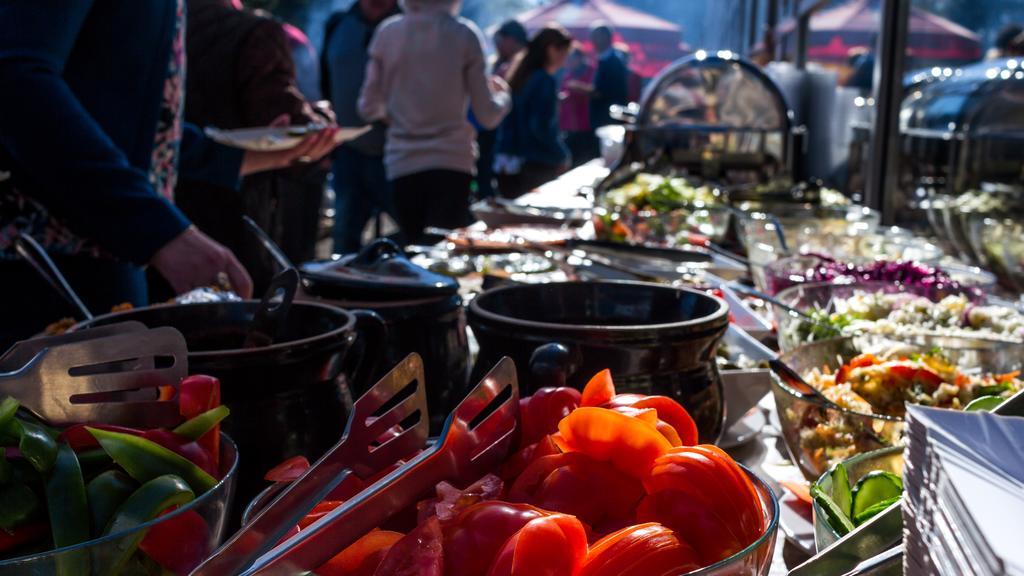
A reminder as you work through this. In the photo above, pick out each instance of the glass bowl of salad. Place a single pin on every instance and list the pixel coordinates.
(768, 237)
(866, 381)
(144, 503)
(661, 210)
(898, 311)
(854, 491)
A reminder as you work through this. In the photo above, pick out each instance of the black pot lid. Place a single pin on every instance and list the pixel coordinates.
(380, 271)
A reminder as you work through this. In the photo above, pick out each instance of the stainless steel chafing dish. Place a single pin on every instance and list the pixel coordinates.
(714, 117)
(962, 148)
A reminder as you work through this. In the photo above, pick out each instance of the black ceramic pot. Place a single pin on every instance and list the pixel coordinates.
(656, 339)
(423, 312)
(286, 399)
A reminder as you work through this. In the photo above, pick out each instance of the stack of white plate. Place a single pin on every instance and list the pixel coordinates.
(963, 509)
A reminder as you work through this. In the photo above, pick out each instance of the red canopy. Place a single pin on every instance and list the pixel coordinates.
(834, 32)
(653, 42)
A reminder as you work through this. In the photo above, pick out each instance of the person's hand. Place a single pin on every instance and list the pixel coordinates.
(194, 260)
(498, 84)
(311, 150)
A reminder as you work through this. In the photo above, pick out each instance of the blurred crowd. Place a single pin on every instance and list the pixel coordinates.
(105, 162)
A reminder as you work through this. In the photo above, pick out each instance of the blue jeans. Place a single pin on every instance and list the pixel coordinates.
(361, 191)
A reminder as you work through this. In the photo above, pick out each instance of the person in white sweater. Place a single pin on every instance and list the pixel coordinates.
(426, 67)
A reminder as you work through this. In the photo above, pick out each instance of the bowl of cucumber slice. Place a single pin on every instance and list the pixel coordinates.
(853, 491)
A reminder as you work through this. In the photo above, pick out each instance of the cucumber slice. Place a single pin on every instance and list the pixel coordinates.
(984, 404)
(833, 515)
(875, 487)
(993, 390)
(841, 489)
(874, 510)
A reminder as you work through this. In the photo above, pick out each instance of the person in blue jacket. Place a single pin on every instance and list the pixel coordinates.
(91, 144)
(530, 147)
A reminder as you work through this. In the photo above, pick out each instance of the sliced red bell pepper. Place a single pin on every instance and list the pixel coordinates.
(669, 411)
(178, 544)
(599, 390)
(419, 553)
(198, 394)
(318, 512)
(573, 483)
(553, 545)
(919, 375)
(13, 539)
(473, 539)
(699, 492)
(288, 471)
(518, 462)
(80, 440)
(363, 557)
(540, 414)
(182, 446)
(630, 444)
(648, 549)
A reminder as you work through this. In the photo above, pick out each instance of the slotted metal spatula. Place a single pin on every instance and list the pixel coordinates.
(112, 379)
(476, 438)
(358, 452)
(23, 352)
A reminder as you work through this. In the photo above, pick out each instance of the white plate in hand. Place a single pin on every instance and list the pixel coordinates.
(276, 139)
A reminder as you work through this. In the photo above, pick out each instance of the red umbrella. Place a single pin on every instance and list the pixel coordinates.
(653, 42)
(835, 32)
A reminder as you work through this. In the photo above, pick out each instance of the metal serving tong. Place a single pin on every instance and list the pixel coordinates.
(476, 437)
(109, 375)
(357, 453)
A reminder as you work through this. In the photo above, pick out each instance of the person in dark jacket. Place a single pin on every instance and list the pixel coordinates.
(240, 75)
(510, 40)
(611, 79)
(361, 188)
(92, 140)
(530, 147)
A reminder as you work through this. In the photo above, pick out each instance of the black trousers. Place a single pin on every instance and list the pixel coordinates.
(438, 198)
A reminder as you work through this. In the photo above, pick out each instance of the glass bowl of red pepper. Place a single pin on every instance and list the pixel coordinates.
(110, 500)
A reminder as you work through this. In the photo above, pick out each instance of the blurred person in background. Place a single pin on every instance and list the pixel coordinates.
(530, 147)
(426, 68)
(611, 79)
(510, 40)
(1003, 46)
(241, 75)
(574, 114)
(361, 189)
(93, 154)
(634, 81)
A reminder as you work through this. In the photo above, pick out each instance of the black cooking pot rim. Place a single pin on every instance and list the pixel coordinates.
(721, 314)
(349, 325)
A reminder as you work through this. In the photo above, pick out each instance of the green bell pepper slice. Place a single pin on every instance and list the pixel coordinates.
(8, 408)
(145, 504)
(195, 428)
(144, 460)
(18, 503)
(69, 511)
(106, 493)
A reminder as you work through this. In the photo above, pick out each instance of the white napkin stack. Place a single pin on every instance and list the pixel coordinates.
(963, 509)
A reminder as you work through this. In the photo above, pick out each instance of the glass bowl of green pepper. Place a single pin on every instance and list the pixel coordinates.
(110, 500)
(854, 491)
